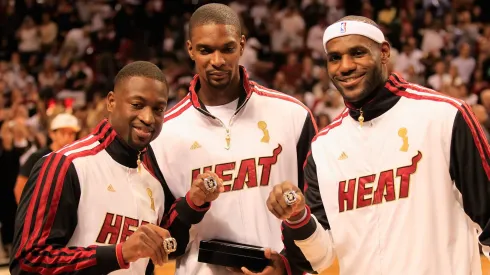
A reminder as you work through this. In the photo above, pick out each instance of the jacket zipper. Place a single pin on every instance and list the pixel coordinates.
(361, 118)
(227, 128)
(138, 162)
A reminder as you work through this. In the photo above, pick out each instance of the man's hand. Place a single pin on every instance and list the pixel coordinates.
(199, 195)
(146, 242)
(277, 267)
(277, 205)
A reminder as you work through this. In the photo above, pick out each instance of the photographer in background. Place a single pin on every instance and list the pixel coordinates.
(63, 130)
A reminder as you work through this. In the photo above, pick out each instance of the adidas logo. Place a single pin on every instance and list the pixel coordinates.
(110, 188)
(195, 145)
(343, 156)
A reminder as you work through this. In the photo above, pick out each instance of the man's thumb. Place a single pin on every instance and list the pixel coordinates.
(268, 253)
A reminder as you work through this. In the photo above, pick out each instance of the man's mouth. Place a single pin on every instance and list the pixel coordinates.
(143, 132)
(218, 74)
(348, 82)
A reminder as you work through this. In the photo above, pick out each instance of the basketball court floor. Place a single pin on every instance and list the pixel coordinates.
(334, 270)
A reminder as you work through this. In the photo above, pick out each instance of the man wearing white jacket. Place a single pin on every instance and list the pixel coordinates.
(398, 183)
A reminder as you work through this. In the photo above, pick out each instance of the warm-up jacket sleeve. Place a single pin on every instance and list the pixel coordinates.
(180, 214)
(470, 171)
(45, 221)
(303, 146)
(308, 245)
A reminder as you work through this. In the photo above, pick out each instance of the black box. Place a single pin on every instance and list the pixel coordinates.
(230, 254)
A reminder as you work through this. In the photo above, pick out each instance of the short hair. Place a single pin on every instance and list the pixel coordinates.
(142, 69)
(215, 13)
(358, 19)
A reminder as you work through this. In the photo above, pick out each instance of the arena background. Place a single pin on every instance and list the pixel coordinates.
(62, 55)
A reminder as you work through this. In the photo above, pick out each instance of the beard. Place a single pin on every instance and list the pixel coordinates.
(218, 84)
(372, 80)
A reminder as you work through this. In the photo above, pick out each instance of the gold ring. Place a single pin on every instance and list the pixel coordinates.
(169, 245)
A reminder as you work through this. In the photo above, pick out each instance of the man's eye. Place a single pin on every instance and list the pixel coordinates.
(136, 105)
(358, 53)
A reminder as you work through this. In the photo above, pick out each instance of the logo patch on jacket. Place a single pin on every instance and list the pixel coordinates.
(246, 171)
(377, 188)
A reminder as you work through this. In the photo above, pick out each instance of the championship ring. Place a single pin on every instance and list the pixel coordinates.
(210, 184)
(290, 197)
(169, 245)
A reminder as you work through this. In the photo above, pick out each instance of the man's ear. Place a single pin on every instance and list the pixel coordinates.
(111, 101)
(385, 52)
(242, 44)
(189, 49)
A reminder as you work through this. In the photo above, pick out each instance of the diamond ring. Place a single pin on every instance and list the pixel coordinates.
(169, 245)
(210, 184)
(290, 197)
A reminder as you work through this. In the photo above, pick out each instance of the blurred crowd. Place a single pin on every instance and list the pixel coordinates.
(60, 57)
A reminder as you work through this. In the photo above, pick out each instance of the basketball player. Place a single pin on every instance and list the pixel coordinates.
(398, 183)
(91, 207)
(251, 136)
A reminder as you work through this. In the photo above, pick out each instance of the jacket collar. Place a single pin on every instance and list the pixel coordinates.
(118, 149)
(244, 96)
(382, 101)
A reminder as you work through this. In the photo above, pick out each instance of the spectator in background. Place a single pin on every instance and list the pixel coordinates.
(63, 131)
(48, 31)
(464, 62)
(29, 39)
(14, 142)
(314, 39)
(410, 56)
(440, 77)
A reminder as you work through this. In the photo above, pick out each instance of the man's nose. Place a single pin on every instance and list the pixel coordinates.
(146, 116)
(217, 59)
(347, 64)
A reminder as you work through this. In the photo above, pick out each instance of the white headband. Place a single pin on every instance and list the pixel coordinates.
(344, 28)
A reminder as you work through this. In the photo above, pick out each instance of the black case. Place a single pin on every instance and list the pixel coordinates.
(230, 254)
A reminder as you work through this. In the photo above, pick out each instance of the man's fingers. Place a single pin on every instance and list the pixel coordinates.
(233, 269)
(282, 201)
(221, 187)
(158, 242)
(277, 207)
(150, 249)
(298, 204)
(202, 176)
(204, 192)
(268, 253)
(246, 271)
(271, 202)
(163, 233)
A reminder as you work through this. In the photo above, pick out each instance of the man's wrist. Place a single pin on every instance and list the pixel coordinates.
(120, 255)
(203, 207)
(297, 217)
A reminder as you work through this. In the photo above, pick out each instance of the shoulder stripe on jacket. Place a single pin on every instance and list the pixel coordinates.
(335, 123)
(178, 109)
(417, 92)
(38, 222)
(261, 90)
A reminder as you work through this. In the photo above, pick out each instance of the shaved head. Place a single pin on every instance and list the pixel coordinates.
(140, 68)
(215, 14)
